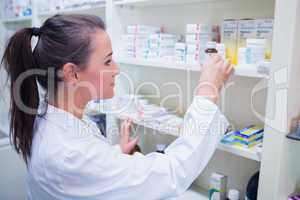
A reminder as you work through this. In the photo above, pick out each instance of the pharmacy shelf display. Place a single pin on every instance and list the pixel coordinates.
(83, 9)
(164, 128)
(16, 19)
(246, 70)
(250, 153)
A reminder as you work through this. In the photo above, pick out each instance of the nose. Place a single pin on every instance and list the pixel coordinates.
(116, 70)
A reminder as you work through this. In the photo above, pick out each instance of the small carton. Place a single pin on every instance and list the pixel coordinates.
(229, 39)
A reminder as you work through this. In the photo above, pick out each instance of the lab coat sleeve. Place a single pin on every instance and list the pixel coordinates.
(117, 147)
(102, 172)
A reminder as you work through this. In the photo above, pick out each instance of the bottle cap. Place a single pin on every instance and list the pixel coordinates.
(211, 45)
(161, 147)
(233, 194)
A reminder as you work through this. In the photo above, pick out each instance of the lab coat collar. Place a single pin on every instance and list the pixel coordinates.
(71, 124)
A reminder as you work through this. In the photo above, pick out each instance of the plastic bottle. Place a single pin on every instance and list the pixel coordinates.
(233, 195)
(210, 49)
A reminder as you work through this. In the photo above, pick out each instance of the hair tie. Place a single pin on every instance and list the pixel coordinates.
(36, 31)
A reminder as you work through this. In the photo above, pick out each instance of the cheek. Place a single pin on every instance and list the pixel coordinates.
(101, 81)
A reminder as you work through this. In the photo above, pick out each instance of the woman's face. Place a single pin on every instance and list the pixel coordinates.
(98, 76)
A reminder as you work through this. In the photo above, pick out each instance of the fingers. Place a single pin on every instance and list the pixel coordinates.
(216, 58)
(230, 69)
(126, 129)
(133, 142)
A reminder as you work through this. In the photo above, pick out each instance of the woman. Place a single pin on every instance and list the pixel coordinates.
(66, 158)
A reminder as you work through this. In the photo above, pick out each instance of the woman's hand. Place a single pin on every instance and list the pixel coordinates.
(127, 145)
(215, 73)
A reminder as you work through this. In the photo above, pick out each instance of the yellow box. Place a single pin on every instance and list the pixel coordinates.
(229, 38)
(264, 30)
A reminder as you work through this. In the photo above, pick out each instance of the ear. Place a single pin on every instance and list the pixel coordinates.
(69, 73)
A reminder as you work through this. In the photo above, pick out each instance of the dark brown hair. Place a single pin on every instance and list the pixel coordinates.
(61, 39)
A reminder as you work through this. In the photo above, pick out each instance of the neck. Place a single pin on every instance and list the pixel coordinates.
(71, 103)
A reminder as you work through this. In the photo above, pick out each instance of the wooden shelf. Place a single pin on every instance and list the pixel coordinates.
(240, 70)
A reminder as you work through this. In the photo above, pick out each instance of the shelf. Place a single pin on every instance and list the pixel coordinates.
(16, 19)
(83, 9)
(252, 154)
(158, 2)
(194, 192)
(240, 70)
(293, 136)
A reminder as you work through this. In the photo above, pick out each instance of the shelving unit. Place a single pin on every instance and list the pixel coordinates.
(84, 9)
(253, 154)
(239, 103)
(242, 70)
(16, 20)
(194, 192)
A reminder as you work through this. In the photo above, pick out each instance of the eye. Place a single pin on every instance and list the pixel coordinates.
(108, 62)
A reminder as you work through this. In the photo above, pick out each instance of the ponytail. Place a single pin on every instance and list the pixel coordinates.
(62, 39)
(18, 59)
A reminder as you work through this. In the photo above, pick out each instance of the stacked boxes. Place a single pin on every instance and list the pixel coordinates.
(236, 33)
(136, 42)
(16, 8)
(142, 29)
(248, 137)
(161, 46)
(135, 45)
(197, 35)
(180, 52)
(243, 42)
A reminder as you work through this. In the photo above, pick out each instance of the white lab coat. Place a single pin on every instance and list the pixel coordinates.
(71, 160)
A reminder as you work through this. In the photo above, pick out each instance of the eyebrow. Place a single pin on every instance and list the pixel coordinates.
(108, 55)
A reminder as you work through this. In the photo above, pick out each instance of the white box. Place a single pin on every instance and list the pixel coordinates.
(199, 28)
(162, 37)
(246, 30)
(193, 59)
(264, 30)
(142, 29)
(198, 38)
(218, 186)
